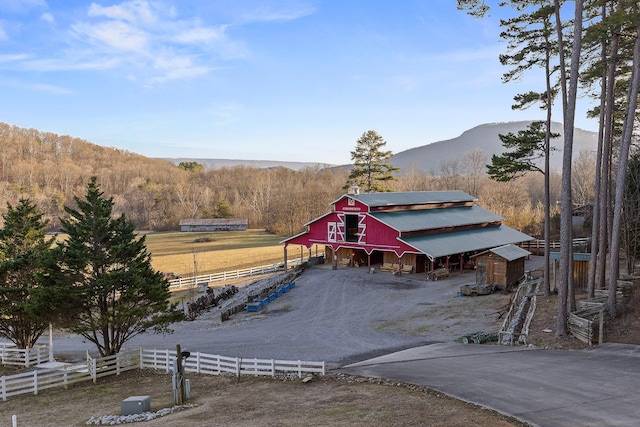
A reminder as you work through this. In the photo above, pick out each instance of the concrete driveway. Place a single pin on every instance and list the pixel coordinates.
(595, 387)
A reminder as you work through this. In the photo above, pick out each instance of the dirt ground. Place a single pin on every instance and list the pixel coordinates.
(223, 401)
(624, 329)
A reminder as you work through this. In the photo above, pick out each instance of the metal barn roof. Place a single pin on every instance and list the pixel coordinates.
(412, 198)
(427, 219)
(510, 252)
(456, 242)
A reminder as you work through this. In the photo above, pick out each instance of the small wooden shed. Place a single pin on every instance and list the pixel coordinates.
(501, 266)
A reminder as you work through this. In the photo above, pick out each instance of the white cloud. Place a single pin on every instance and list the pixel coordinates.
(48, 17)
(194, 35)
(282, 14)
(175, 67)
(137, 11)
(13, 57)
(3, 33)
(144, 40)
(43, 87)
(115, 35)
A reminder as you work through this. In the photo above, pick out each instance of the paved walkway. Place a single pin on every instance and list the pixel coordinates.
(594, 387)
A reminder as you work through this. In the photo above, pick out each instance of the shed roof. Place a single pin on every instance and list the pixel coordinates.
(412, 198)
(427, 219)
(510, 252)
(214, 221)
(456, 242)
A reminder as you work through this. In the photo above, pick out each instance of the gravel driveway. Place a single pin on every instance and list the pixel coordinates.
(337, 316)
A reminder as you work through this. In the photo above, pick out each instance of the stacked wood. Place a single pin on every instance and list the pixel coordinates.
(588, 322)
(587, 325)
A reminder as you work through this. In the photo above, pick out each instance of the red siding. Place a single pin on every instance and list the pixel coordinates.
(375, 236)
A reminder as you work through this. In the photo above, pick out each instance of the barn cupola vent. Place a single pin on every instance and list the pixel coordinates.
(353, 190)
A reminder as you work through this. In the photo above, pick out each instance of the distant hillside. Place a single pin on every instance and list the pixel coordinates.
(485, 137)
(262, 164)
(428, 157)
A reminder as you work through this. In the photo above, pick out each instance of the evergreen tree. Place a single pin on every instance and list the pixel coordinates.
(527, 147)
(371, 168)
(530, 44)
(23, 249)
(118, 294)
(223, 209)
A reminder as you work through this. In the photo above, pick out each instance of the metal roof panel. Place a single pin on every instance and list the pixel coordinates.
(428, 219)
(456, 242)
(510, 252)
(412, 198)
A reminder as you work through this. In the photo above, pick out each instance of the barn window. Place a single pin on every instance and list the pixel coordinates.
(352, 228)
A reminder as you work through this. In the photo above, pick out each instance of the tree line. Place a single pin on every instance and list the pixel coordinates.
(155, 194)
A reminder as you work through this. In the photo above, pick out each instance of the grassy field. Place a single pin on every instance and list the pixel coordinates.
(186, 253)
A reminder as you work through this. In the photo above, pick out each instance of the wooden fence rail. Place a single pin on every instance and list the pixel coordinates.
(41, 379)
(203, 363)
(537, 246)
(11, 355)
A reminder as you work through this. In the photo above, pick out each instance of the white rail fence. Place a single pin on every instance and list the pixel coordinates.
(185, 283)
(11, 355)
(202, 363)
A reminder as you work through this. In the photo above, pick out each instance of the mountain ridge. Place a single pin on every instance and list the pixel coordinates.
(429, 158)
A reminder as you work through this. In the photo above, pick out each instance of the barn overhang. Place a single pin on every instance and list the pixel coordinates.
(457, 242)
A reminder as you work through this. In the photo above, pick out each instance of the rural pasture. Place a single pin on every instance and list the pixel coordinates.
(213, 252)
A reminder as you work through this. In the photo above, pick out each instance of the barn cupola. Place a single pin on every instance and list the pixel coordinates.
(353, 190)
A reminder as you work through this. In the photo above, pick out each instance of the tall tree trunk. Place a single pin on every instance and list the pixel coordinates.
(569, 106)
(632, 102)
(547, 174)
(595, 212)
(605, 178)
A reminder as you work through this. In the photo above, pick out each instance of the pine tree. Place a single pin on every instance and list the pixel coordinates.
(23, 248)
(527, 147)
(371, 168)
(119, 295)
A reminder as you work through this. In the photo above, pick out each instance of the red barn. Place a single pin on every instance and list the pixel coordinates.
(411, 232)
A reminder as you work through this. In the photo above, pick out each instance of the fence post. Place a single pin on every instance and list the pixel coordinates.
(26, 357)
(4, 389)
(273, 368)
(140, 358)
(299, 369)
(94, 370)
(601, 327)
(238, 362)
(35, 381)
(166, 361)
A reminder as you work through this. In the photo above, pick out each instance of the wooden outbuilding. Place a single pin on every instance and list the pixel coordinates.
(214, 224)
(580, 269)
(501, 266)
(406, 232)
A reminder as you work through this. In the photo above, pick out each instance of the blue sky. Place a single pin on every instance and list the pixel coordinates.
(289, 80)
